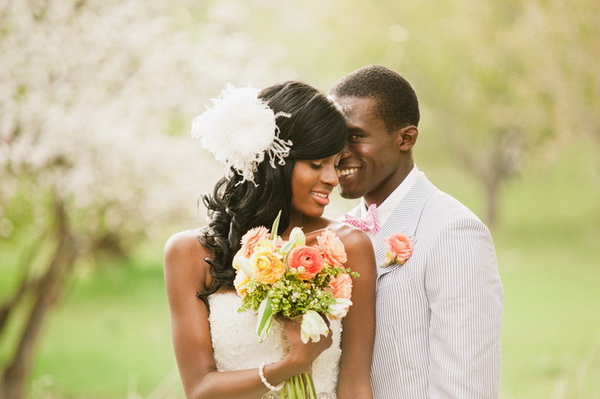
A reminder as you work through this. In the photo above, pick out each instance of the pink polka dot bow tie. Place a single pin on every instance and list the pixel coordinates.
(368, 223)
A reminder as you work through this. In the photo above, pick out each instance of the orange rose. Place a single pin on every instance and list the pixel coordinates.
(267, 265)
(305, 261)
(341, 286)
(400, 248)
(251, 239)
(332, 248)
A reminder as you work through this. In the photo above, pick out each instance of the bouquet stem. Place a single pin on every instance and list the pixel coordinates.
(300, 386)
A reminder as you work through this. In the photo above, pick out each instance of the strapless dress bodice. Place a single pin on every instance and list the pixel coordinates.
(236, 346)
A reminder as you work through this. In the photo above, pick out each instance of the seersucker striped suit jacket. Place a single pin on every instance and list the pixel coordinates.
(439, 315)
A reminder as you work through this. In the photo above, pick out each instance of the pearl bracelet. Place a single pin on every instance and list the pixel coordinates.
(264, 380)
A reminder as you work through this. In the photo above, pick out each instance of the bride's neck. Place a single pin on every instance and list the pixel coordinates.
(307, 224)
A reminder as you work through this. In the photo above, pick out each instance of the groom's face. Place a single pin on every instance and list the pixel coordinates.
(371, 160)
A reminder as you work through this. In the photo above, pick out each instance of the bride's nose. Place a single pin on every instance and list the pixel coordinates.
(329, 175)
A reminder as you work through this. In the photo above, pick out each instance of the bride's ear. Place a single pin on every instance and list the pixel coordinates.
(407, 137)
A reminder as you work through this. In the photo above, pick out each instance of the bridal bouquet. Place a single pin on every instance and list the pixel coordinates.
(300, 282)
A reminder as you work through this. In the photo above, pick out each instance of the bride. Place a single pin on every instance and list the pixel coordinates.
(281, 148)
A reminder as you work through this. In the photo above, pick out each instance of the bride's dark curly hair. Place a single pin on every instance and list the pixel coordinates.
(317, 130)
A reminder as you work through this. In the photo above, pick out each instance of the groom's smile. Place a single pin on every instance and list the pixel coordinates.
(346, 172)
(349, 170)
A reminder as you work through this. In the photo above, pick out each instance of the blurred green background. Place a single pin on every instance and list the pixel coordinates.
(97, 169)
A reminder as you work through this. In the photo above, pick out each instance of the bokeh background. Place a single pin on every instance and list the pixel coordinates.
(97, 168)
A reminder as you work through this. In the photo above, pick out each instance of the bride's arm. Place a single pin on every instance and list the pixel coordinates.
(185, 274)
(359, 324)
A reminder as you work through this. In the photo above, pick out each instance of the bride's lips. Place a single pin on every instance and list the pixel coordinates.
(322, 197)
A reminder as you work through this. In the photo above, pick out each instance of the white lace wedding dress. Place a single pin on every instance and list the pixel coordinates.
(236, 345)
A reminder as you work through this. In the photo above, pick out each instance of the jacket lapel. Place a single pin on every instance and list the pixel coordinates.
(405, 219)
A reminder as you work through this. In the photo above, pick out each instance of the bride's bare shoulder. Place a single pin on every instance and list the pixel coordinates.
(349, 235)
(184, 248)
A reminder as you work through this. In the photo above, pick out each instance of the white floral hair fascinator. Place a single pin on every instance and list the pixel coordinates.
(239, 129)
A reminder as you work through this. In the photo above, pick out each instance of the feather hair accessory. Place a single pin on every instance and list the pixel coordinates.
(239, 129)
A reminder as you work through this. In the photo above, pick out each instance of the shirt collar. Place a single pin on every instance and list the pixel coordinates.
(385, 210)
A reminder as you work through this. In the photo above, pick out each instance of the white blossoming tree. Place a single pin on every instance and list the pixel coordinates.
(92, 95)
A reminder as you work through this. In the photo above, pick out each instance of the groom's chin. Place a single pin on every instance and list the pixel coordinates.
(348, 193)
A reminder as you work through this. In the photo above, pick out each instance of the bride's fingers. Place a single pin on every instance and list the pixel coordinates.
(288, 324)
(293, 327)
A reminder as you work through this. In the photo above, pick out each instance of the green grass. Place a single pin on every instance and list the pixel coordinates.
(110, 337)
(551, 326)
(548, 252)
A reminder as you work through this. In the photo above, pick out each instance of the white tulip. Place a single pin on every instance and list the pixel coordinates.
(313, 326)
(339, 309)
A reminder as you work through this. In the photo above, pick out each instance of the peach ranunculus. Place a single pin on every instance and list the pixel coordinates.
(252, 238)
(305, 262)
(400, 249)
(267, 263)
(341, 286)
(332, 248)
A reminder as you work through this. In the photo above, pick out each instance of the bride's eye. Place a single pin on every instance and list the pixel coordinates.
(316, 165)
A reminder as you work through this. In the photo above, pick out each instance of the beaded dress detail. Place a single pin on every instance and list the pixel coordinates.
(236, 345)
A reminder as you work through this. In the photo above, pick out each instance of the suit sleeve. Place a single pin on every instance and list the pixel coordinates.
(465, 297)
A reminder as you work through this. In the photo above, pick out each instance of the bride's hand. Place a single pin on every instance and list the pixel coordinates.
(302, 354)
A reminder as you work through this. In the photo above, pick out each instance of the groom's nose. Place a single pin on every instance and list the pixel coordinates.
(345, 154)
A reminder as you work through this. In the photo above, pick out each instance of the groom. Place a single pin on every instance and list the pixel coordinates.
(439, 314)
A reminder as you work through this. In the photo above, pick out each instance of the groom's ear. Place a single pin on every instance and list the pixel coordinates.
(407, 137)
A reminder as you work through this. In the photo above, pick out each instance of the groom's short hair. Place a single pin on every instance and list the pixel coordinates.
(397, 104)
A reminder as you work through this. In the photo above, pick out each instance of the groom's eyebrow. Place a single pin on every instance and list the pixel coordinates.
(353, 129)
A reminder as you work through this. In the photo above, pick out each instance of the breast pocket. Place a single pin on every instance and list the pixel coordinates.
(401, 302)
(394, 275)
(394, 291)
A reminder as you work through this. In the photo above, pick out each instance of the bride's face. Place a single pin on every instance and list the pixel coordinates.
(312, 183)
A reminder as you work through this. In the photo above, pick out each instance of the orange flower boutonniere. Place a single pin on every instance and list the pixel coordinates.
(400, 249)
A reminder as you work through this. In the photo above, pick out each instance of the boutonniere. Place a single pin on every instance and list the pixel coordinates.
(400, 249)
